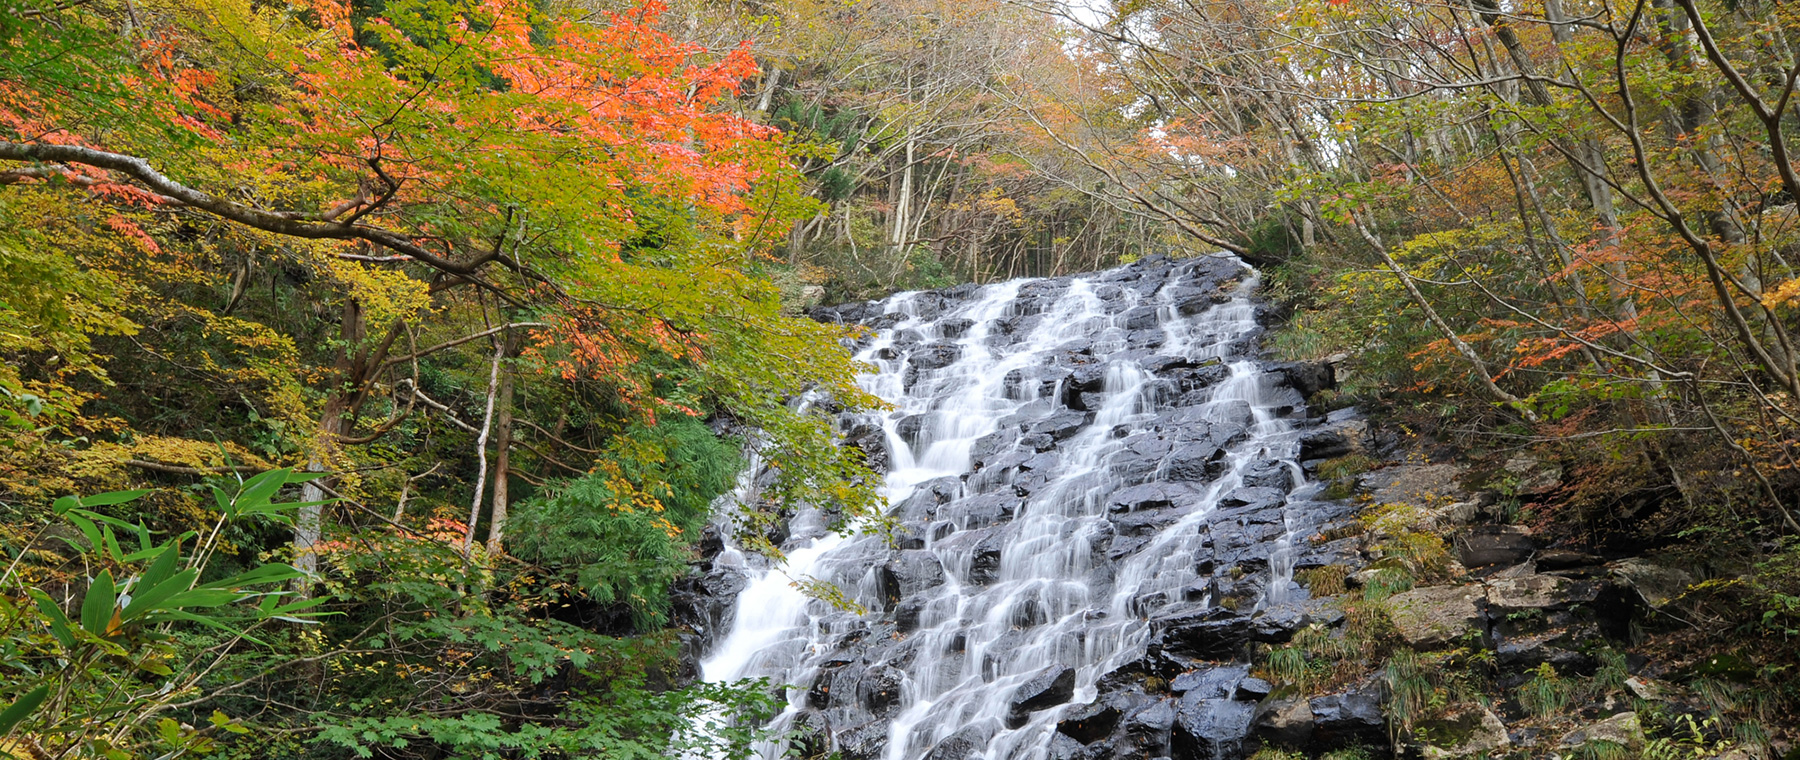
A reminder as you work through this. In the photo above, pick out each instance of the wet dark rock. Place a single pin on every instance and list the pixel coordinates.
(1349, 718)
(935, 356)
(1196, 462)
(1061, 424)
(1088, 377)
(912, 427)
(1146, 523)
(1045, 689)
(908, 613)
(954, 328)
(1146, 497)
(1065, 748)
(1146, 729)
(1324, 444)
(1276, 624)
(983, 510)
(1211, 729)
(1212, 633)
(867, 741)
(879, 690)
(1188, 379)
(1284, 721)
(1091, 722)
(909, 573)
(1209, 682)
(967, 742)
(1306, 377)
(984, 545)
(1250, 497)
(1139, 318)
(1252, 689)
(1269, 473)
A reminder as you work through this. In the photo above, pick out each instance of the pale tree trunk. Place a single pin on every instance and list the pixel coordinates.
(503, 431)
(481, 446)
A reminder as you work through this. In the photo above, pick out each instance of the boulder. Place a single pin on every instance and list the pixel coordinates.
(1212, 633)
(1047, 688)
(1349, 718)
(1306, 377)
(1252, 689)
(1325, 444)
(1622, 729)
(1489, 545)
(1065, 748)
(1269, 473)
(1061, 424)
(967, 742)
(1532, 475)
(867, 741)
(1210, 729)
(983, 547)
(1656, 584)
(1138, 318)
(1435, 615)
(879, 690)
(1091, 722)
(1538, 592)
(1472, 732)
(1195, 462)
(1285, 721)
(1146, 729)
(934, 356)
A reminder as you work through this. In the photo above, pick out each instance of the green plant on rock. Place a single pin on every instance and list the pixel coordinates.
(1323, 581)
(1684, 738)
(1546, 693)
(1603, 750)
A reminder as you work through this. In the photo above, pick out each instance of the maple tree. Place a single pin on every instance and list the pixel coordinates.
(455, 257)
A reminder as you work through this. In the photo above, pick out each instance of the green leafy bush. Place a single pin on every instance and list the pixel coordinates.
(622, 533)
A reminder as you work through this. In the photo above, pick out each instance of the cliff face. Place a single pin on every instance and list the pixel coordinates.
(1122, 534)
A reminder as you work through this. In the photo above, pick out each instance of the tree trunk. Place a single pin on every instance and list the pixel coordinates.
(503, 429)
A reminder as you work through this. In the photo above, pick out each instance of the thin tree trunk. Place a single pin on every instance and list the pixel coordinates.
(503, 431)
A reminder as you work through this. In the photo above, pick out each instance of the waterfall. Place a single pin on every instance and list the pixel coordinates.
(1092, 475)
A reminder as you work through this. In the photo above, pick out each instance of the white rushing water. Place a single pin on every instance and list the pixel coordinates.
(1052, 598)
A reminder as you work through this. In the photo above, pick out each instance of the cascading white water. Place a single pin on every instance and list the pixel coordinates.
(1028, 419)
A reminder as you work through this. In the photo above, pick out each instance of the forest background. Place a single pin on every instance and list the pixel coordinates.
(372, 367)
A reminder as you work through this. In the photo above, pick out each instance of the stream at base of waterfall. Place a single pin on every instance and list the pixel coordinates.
(1100, 509)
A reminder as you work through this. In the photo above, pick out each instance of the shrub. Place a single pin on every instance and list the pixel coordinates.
(622, 533)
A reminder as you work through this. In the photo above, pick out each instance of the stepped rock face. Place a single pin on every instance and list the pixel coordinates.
(1101, 508)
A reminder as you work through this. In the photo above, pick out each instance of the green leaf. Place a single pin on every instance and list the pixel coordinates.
(148, 600)
(64, 503)
(59, 623)
(111, 497)
(166, 615)
(22, 709)
(273, 572)
(162, 567)
(201, 597)
(88, 529)
(97, 608)
(111, 542)
(258, 490)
